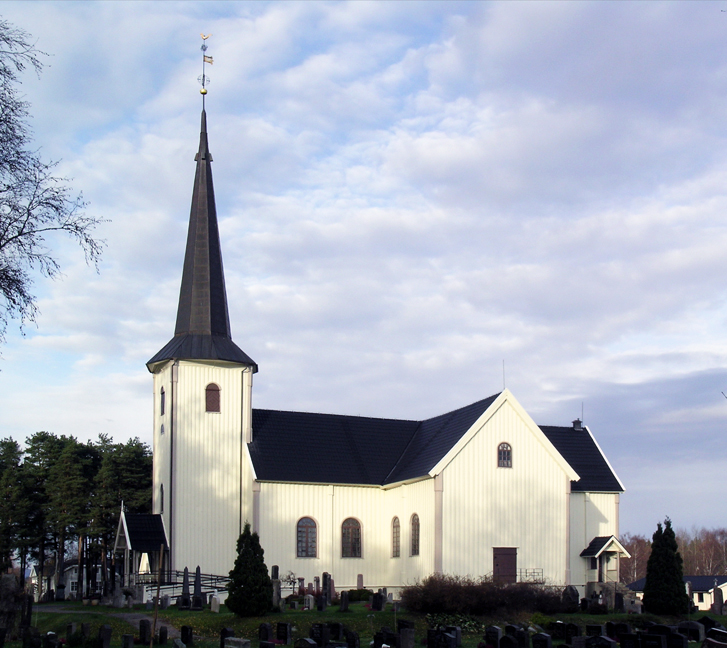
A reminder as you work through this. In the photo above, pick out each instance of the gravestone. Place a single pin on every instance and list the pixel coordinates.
(265, 632)
(457, 631)
(404, 624)
(164, 604)
(336, 631)
(294, 605)
(649, 640)
(377, 604)
(50, 640)
(214, 604)
(321, 602)
(187, 636)
(70, 630)
(149, 605)
(163, 635)
(492, 636)
(579, 642)
(718, 602)
(184, 602)
(276, 594)
(198, 600)
(385, 637)
(557, 630)
(344, 602)
(144, 632)
(707, 622)
(305, 642)
(267, 644)
(441, 639)
(178, 643)
(542, 640)
(326, 585)
(600, 641)
(284, 633)
(621, 628)
(571, 631)
(717, 635)
(309, 601)
(301, 586)
(317, 581)
(523, 638)
(127, 641)
(85, 630)
(104, 636)
(407, 638)
(225, 633)
(359, 582)
(320, 633)
(274, 572)
(693, 630)
(508, 641)
(660, 629)
(629, 640)
(26, 610)
(676, 640)
(31, 637)
(352, 639)
(511, 629)
(594, 630)
(237, 642)
(618, 602)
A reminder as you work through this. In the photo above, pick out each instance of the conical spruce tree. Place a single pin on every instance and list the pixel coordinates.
(250, 588)
(664, 591)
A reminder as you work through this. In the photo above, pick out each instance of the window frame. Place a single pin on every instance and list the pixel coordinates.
(162, 402)
(212, 398)
(415, 527)
(306, 528)
(504, 455)
(395, 537)
(351, 538)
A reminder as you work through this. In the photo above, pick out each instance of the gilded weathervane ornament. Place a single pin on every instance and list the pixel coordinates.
(204, 79)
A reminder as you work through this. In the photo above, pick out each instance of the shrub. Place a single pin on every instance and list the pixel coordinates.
(359, 595)
(250, 588)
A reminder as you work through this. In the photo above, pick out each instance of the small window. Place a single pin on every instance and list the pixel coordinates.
(212, 398)
(162, 396)
(594, 563)
(415, 535)
(351, 538)
(161, 429)
(504, 456)
(395, 538)
(307, 538)
(700, 597)
(161, 497)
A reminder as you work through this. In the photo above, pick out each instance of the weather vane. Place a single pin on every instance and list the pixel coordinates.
(204, 79)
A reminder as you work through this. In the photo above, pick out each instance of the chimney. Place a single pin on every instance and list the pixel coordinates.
(577, 425)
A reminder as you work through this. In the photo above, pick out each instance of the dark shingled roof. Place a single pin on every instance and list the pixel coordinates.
(146, 532)
(595, 546)
(699, 583)
(580, 450)
(203, 322)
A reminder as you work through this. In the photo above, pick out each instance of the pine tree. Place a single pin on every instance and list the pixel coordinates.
(664, 591)
(250, 587)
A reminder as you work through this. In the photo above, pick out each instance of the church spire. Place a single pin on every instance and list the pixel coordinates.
(203, 323)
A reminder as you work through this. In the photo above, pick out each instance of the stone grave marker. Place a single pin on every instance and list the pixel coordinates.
(557, 630)
(508, 641)
(164, 604)
(660, 629)
(305, 642)
(50, 640)
(225, 633)
(320, 633)
(321, 602)
(707, 622)
(326, 585)
(407, 638)
(284, 633)
(187, 636)
(31, 637)
(178, 643)
(622, 628)
(511, 629)
(441, 639)
(237, 642)
(542, 640)
(618, 602)
(718, 602)
(600, 641)
(352, 639)
(492, 636)
(214, 604)
(629, 640)
(317, 581)
(377, 604)
(457, 631)
(104, 635)
(676, 640)
(404, 624)
(144, 632)
(163, 635)
(198, 599)
(523, 638)
(572, 630)
(274, 572)
(579, 642)
(276, 594)
(149, 605)
(309, 601)
(267, 644)
(85, 630)
(26, 610)
(127, 641)
(70, 630)
(359, 582)
(693, 629)
(717, 635)
(184, 602)
(336, 630)
(649, 640)
(344, 602)
(265, 632)
(595, 630)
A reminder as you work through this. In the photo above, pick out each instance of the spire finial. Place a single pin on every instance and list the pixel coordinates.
(204, 79)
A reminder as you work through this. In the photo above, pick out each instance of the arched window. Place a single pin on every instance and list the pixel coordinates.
(504, 456)
(351, 538)
(161, 497)
(307, 538)
(161, 430)
(161, 402)
(212, 398)
(395, 538)
(415, 535)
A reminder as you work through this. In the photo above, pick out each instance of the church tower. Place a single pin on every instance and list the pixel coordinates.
(202, 403)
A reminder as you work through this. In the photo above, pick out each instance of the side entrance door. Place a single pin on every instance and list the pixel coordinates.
(504, 564)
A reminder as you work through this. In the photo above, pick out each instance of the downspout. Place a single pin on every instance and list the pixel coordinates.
(438, 521)
(172, 432)
(567, 532)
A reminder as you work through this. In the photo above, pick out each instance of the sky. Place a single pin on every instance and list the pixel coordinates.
(419, 203)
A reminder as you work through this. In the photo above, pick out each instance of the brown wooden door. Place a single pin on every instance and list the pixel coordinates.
(504, 564)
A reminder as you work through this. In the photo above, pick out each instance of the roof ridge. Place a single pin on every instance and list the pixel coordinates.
(350, 416)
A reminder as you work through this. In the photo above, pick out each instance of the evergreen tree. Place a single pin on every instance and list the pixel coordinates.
(250, 587)
(664, 591)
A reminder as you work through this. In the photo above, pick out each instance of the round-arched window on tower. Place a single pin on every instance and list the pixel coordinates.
(212, 398)
(504, 456)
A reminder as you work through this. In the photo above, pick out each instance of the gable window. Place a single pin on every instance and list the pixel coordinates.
(395, 538)
(351, 538)
(161, 402)
(307, 538)
(212, 398)
(415, 535)
(504, 456)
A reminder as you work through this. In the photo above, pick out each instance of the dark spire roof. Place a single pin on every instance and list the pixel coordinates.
(203, 322)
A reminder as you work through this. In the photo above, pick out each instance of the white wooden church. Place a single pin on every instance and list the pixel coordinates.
(482, 490)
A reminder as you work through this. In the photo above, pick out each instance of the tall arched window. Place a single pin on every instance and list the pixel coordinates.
(307, 538)
(212, 398)
(162, 396)
(161, 497)
(395, 538)
(415, 535)
(504, 456)
(351, 538)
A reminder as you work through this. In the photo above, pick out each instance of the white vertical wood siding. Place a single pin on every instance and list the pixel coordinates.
(592, 515)
(207, 468)
(524, 506)
(160, 442)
